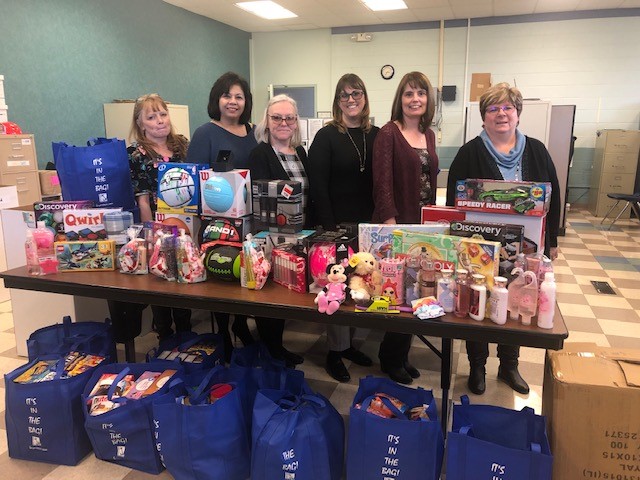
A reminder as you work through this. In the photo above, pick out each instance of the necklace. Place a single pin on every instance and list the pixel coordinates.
(361, 158)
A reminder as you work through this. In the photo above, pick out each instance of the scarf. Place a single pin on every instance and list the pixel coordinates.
(510, 163)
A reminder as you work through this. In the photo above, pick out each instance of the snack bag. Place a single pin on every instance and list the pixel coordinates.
(189, 262)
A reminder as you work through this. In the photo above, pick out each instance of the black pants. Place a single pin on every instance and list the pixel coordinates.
(126, 319)
(271, 331)
(394, 349)
(478, 352)
(164, 317)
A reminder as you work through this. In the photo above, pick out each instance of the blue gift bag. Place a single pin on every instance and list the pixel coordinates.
(181, 342)
(44, 420)
(296, 437)
(489, 442)
(203, 440)
(125, 435)
(398, 447)
(98, 172)
(87, 337)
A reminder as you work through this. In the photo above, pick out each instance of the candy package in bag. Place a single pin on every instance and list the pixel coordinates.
(189, 262)
(132, 257)
(163, 259)
(254, 265)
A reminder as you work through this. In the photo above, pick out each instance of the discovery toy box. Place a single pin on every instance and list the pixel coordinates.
(499, 196)
(479, 256)
(179, 187)
(226, 193)
(52, 214)
(83, 256)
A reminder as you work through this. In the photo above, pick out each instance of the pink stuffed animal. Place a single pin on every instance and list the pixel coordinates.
(335, 292)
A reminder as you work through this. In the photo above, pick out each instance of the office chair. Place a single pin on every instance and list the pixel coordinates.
(631, 199)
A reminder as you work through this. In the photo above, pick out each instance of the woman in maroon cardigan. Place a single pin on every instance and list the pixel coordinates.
(405, 171)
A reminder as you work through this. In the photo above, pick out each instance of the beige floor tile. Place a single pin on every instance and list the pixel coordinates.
(90, 467)
(631, 292)
(574, 298)
(611, 301)
(624, 342)
(562, 270)
(5, 306)
(620, 314)
(620, 329)
(576, 310)
(582, 324)
(586, 279)
(581, 337)
(6, 321)
(624, 274)
(568, 288)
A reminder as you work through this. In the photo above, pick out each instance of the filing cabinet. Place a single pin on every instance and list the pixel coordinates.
(614, 169)
(19, 166)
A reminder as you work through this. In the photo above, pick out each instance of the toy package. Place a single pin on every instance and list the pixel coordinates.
(52, 214)
(479, 256)
(440, 248)
(254, 266)
(162, 262)
(289, 267)
(179, 187)
(226, 193)
(226, 229)
(84, 256)
(377, 238)
(189, 262)
(324, 249)
(86, 224)
(499, 196)
(440, 214)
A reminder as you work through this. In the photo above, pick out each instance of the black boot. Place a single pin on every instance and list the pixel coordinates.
(241, 330)
(411, 370)
(336, 368)
(476, 382)
(509, 374)
(397, 374)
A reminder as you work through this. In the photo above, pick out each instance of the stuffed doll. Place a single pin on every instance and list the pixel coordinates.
(335, 292)
(366, 280)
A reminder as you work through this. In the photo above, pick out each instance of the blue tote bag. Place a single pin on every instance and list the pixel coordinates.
(489, 442)
(183, 341)
(397, 447)
(296, 437)
(125, 435)
(202, 441)
(86, 337)
(98, 172)
(44, 420)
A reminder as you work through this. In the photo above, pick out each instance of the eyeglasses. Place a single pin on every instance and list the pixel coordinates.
(505, 108)
(356, 95)
(289, 119)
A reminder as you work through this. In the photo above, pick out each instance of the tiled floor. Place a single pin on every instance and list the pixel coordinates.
(587, 252)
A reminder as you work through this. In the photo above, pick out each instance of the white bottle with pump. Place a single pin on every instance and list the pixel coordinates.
(498, 301)
(478, 303)
(547, 301)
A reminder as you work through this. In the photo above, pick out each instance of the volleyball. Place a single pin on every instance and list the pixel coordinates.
(176, 187)
(218, 194)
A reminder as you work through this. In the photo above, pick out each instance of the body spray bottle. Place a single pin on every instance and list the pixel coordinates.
(498, 301)
(478, 300)
(547, 301)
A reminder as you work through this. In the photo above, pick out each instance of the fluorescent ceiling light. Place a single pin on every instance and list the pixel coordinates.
(266, 9)
(377, 5)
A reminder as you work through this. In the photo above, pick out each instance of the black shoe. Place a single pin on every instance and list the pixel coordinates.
(476, 382)
(511, 377)
(411, 370)
(336, 369)
(228, 347)
(241, 330)
(397, 374)
(291, 359)
(357, 357)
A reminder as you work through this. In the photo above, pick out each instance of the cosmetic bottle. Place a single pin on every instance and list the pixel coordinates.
(528, 297)
(521, 262)
(513, 300)
(44, 238)
(463, 293)
(547, 301)
(427, 275)
(411, 280)
(446, 290)
(31, 251)
(478, 299)
(545, 266)
(498, 301)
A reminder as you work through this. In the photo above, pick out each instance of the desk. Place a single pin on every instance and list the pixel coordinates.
(274, 301)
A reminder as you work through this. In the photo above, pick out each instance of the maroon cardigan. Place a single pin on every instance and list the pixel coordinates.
(396, 175)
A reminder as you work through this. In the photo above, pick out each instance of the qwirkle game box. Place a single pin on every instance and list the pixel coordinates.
(83, 256)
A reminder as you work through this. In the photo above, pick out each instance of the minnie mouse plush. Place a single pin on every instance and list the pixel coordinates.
(336, 291)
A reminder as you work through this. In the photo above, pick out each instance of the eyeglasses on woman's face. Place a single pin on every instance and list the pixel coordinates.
(493, 109)
(289, 119)
(355, 94)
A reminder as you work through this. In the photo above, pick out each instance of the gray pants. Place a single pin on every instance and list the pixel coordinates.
(339, 337)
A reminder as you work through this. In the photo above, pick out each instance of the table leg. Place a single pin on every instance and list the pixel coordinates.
(445, 379)
(130, 351)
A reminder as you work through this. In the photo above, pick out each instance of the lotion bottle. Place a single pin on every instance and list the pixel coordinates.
(463, 293)
(547, 301)
(513, 300)
(478, 299)
(427, 275)
(529, 297)
(498, 301)
(446, 290)
(31, 251)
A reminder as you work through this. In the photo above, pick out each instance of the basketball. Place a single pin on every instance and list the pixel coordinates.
(178, 223)
(176, 187)
(218, 194)
(223, 262)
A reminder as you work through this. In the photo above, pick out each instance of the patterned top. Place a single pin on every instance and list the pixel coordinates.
(425, 178)
(144, 172)
(295, 169)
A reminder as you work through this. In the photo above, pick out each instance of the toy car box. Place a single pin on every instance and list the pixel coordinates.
(87, 255)
(510, 237)
(499, 196)
(179, 187)
(86, 224)
(52, 214)
(226, 194)
(377, 238)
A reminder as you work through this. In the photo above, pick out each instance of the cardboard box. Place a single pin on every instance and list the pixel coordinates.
(86, 224)
(591, 398)
(441, 214)
(84, 256)
(500, 196)
(8, 196)
(480, 82)
(534, 227)
(377, 238)
(226, 194)
(179, 187)
(52, 213)
(441, 248)
(49, 182)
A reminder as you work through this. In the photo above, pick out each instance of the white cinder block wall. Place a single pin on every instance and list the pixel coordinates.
(593, 63)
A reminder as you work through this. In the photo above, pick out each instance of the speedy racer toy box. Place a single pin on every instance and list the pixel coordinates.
(499, 196)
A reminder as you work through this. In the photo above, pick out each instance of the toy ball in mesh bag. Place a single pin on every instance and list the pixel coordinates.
(321, 255)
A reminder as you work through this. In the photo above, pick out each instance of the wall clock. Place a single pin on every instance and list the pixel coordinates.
(387, 72)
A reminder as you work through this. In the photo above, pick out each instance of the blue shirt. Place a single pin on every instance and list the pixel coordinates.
(209, 139)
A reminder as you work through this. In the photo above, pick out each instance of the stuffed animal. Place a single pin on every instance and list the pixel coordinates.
(335, 292)
(366, 280)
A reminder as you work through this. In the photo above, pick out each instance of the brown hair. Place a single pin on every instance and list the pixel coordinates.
(154, 102)
(415, 80)
(354, 81)
(499, 94)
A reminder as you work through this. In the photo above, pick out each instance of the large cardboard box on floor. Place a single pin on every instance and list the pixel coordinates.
(591, 398)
